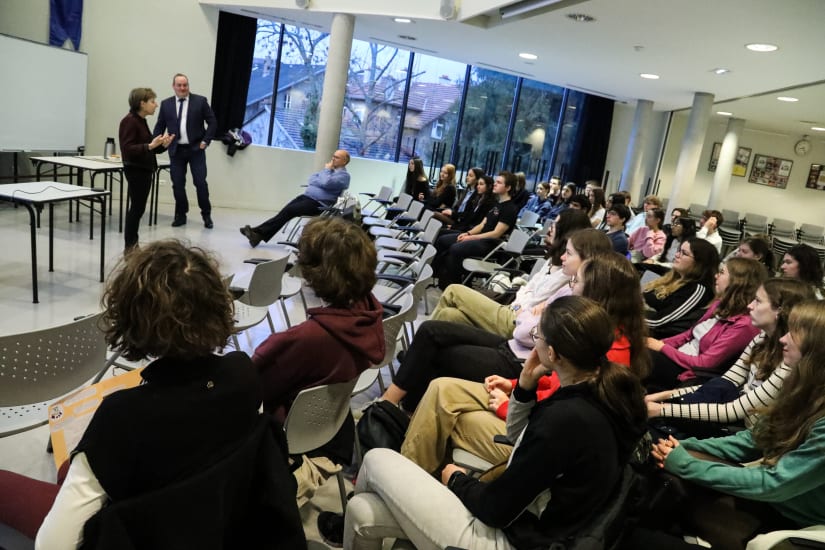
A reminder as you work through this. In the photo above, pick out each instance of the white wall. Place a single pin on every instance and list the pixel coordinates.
(144, 43)
(796, 202)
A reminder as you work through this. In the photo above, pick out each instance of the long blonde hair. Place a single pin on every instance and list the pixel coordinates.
(442, 184)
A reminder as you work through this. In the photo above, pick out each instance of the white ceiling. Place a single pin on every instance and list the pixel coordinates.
(680, 40)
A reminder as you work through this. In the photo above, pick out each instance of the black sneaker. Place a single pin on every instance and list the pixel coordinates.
(331, 528)
(179, 221)
(207, 221)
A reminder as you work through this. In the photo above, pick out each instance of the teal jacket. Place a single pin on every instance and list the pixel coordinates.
(795, 486)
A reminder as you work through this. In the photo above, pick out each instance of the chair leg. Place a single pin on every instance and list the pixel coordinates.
(235, 341)
(271, 324)
(342, 490)
(286, 314)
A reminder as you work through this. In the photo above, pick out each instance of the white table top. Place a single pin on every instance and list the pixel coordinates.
(95, 163)
(47, 191)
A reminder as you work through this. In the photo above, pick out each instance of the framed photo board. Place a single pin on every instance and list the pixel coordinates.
(816, 177)
(771, 171)
(740, 165)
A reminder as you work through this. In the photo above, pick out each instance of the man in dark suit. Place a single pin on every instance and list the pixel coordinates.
(189, 117)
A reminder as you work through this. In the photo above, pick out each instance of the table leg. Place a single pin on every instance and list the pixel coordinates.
(32, 228)
(92, 217)
(102, 236)
(51, 236)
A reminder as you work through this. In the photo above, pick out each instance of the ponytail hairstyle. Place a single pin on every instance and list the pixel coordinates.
(611, 281)
(786, 424)
(783, 294)
(582, 332)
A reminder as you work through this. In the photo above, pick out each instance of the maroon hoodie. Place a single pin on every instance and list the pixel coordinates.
(332, 345)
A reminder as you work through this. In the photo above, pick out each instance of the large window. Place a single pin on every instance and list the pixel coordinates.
(399, 104)
(534, 131)
(432, 110)
(487, 118)
(373, 102)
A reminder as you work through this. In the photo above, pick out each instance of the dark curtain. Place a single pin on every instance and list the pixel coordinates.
(233, 60)
(65, 19)
(592, 139)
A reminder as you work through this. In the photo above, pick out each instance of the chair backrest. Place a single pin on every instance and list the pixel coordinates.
(425, 218)
(528, 219)
(316, 415)
(517, 241)
(403, 201)
(414, 210)
(696, 210)
(811, 233)
(265, 284)
(731, 218)
(46, 364)
(783, 228)
(392, 326)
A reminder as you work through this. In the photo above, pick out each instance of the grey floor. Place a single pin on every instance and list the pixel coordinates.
(73, 289)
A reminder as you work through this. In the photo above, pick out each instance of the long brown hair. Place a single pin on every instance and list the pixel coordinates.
(612, 281)
(783, 294)
(167, 299)
(786, 424)
(582, 332)
(746, 275)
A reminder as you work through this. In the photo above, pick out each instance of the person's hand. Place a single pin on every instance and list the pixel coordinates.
(328, 165)
(654, 409)
(532, 371)
(204, 145)
(658, 396)
(449, 470)
(156, 142)
(661, 449)
(421, 196)
(711, 223)
(167, 139)
(649, 261)
(496, 382)
(447, 212)
(654, 344)
(465, 237)
(497, 398)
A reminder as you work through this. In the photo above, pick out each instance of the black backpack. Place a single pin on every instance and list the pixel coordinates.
(382, 425)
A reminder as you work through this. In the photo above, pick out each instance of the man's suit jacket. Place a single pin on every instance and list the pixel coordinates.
(199, 114)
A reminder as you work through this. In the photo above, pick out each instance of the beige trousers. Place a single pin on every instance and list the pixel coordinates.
(461, 304)
(453, 411)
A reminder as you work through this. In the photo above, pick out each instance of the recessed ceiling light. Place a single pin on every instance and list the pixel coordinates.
(581, 17)
(818, 128)
(529, 56)
(402, 20)
(721, 71)
(762, 47)
(649, 76)
(724, 113)
(787, 98)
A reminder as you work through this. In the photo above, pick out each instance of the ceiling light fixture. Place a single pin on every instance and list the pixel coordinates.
(724, 113)
(402, 20)
(524, 7)
(817, 129)
(649, 76)
(787, 99)
(581, 17)
(721, 71)
(762, 47)
(528, 56)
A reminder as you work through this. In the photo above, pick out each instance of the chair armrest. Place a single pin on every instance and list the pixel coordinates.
(501, 439)
(397, 279)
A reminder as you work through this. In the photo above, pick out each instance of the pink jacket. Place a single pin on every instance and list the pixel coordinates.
(649, 243)
(723, 343)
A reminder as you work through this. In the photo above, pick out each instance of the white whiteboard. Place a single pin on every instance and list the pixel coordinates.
(42, 96)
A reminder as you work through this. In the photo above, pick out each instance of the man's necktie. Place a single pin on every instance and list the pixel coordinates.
(180, 109)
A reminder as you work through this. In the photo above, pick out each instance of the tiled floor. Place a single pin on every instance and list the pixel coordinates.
(73, 289)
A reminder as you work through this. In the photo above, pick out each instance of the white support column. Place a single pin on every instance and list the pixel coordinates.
(688, 162)
(335, 88)
(727, 157)
(631, 173)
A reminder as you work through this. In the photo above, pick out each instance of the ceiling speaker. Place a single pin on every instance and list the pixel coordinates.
(304, 4)
(448, 9)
